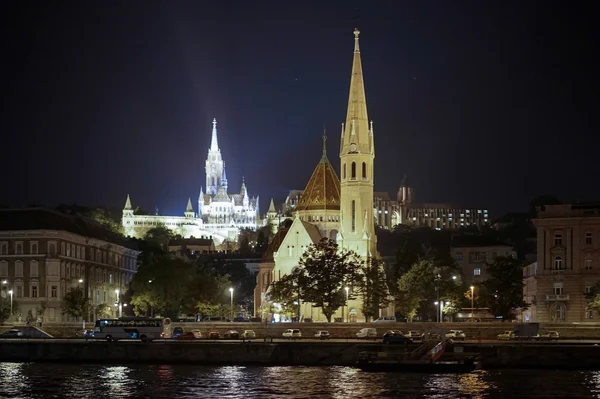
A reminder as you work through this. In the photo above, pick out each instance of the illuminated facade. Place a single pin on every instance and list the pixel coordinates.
(220, 215)
(568, 264)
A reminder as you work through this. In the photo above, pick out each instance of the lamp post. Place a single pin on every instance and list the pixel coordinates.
(231, 306)
(118, 303)
(472, 301)
(348, 310)
(11, 295)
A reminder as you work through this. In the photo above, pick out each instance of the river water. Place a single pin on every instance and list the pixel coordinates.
(30, 380)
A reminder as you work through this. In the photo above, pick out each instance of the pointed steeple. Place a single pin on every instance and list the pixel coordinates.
(324, 156)
(201, 196)
(214, 144)
(224, 178)
(127, 204)
(272, 207)
(189, 206)
(357, 120)
(243, 191)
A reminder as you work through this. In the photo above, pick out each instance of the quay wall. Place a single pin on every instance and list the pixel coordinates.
(506, 355)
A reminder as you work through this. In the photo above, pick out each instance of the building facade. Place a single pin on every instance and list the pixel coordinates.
(568, 264)
(220, 214)
(43, 254)
(473, 254)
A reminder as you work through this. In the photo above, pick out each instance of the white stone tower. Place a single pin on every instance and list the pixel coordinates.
(357, 153)
(214, 164)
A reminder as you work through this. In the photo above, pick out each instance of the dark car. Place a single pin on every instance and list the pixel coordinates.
(84, 334)
(187, 336)
(177, 331)
(12, 333)
(395, 337)
(232, 334)
(214, 335)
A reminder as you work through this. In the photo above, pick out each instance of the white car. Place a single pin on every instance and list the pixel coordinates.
(506, 336)
(385, 319)
(416, 336)
(249, 334)
(197, 333)
(367, 333)
(292, 333)
(322, 334)
(457, 335)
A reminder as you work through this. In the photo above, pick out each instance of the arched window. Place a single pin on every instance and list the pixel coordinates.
(353, 214)
(353, 170)
(364, 170)
(344, 171)
(558, 262)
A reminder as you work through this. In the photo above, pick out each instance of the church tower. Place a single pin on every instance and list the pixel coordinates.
(357, 153)
(214, 164)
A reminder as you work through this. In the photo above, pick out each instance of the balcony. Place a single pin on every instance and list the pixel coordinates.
(557, 271)
(557, 297)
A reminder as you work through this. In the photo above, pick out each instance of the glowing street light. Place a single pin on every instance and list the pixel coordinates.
(11, 300)
(472, 301)
(118, 303)
(348, 310)
(231, 306)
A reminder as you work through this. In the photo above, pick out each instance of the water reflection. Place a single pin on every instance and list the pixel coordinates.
(142, 381)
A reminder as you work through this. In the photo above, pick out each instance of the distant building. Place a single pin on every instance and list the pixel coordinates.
(473, 254)
(43, 254)
(192, 246)
(568, 263)
(220, 215)
(388, 212)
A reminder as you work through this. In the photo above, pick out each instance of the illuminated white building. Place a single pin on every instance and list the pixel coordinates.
(220, 215)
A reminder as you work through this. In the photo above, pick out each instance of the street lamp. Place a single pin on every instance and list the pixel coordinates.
(348, 310)
(231, 306)
(11, 306)
(472, 301)
(118, 303)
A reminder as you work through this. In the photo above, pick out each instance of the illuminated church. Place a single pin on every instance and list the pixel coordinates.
(220, 214)
(339, 209)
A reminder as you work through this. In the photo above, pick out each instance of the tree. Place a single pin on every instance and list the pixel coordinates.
(5, 309)
(103, 310)
(286, 293)
(503, 290)
(74, 303)
(372, 287)
(160, 235)
(323, 273)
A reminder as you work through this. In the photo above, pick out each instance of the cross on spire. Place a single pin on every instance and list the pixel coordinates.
(324, 156)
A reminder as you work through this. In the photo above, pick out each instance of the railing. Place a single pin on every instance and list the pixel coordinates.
(557, 297)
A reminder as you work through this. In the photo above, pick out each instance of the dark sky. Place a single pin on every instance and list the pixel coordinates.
(488, 103)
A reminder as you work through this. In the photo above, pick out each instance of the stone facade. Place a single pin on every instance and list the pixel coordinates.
(43, 254)
(568, 263)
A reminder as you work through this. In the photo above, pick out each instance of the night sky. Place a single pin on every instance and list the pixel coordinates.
(478, 103)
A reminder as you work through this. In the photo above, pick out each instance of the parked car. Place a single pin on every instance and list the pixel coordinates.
(322, 334)
(85, 334)
(456, 335)
(292, 333)
(216, 319)
(366, 333)
(213, 334)
(415, 336)
(177, 331)
(12, 333)
(385, 319)
(187, 336)
(395, 337)
(241, 320)
(549, 336)
(506, 336)
(232, 334)
(249, 334)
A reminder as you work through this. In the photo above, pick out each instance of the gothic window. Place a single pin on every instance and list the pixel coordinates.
(344, 168)
(353, 170)
(353, 215)
(364, 170)
(557, 239)
(558, 262)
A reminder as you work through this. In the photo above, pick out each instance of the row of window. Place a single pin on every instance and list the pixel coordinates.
(588, 237)
(34, 292)
(353, 171)
(558, 263)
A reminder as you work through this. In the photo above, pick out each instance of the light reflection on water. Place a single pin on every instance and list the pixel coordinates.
(29, 380)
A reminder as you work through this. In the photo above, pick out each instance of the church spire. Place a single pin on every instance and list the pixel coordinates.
(189, 206)
(324, 156)
(214, 144)
(127, 204)
(272, 207)
(357, 120)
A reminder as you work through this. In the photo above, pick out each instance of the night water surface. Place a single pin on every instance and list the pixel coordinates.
(31, 380)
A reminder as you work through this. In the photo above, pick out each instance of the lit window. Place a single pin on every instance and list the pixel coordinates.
(426, 215)
(54, 291)
(478, 210)
(477, 271)
(468, 211)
